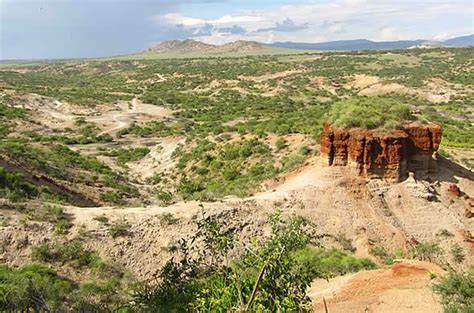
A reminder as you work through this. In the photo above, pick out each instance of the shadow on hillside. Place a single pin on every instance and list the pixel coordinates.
(449, 171)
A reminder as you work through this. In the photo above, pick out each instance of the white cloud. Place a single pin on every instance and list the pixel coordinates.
(390, 34)
(177, 19)
(314, 21)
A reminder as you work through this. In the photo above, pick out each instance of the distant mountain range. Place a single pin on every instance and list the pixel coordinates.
(192, 48)
(364, 44)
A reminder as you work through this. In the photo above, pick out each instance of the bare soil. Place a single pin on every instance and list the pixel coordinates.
(405, 287)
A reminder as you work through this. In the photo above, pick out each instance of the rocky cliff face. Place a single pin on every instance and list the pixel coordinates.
(388, 154)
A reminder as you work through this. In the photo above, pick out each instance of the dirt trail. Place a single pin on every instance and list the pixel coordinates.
(117, 119)
(113, 121)
(403, 288)
(110, 119)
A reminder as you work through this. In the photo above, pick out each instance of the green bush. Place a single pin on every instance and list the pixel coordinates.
(128, 155)
(426, 251)
(457, 292)
(32, 287)
(112, 197)
(280, 144)
(72, 252)
(364, 112)
(458, 253)
(326, 263)
(15, 187)
(279, 269)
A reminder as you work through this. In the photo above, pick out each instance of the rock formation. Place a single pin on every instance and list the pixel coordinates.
(387, 154)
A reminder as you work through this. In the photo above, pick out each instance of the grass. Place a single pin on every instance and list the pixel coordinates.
(20, 288)
(38, 287)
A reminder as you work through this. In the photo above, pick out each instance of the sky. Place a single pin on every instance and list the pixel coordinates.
(47, 29)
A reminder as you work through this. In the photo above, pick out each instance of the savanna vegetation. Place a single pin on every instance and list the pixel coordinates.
(233, 124)
(213, 100)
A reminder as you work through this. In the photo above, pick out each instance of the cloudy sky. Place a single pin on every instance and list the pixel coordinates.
(90, 28)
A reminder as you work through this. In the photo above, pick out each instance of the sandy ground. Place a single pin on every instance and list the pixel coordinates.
(435, 90)
(110, 119)
(403, 288)
(158, 160)
(126, 113)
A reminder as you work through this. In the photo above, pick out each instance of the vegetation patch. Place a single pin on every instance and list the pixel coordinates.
(272, 275)
(371, 113)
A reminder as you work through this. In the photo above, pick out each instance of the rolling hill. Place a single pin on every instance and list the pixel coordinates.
(364, 44)
(190, 48)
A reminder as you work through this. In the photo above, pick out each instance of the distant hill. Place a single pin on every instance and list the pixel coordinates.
(180, 46)
(463, 41)
(189, 45)
(364, 44)
(189, 48)
(349, 45)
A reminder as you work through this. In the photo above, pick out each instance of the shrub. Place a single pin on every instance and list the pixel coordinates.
(15, 187)
(72, 252)
(279, 269)
(111, 197)
(165, 197)
(57, 216)
(426, 251)
(458, 253)
(291, 161)
(119, 229)
(128, 155)
(457, 292)
(102, 219)
(326, 263)
(167, 219)
(280, 144)
(32, 287)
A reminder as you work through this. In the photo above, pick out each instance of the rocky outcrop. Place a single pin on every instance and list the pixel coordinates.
(388, 154)
(454, 190)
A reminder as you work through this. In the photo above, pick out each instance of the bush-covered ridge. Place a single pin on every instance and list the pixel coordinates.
(370, 113)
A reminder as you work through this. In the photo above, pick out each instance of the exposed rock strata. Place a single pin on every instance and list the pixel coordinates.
(388, 154)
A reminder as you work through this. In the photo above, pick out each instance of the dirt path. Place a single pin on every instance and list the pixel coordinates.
(403, 288)
(116, 118)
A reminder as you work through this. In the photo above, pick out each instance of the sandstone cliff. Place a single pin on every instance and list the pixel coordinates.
(388, 154)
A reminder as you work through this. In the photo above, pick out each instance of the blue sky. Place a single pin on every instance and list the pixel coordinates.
(32, 29)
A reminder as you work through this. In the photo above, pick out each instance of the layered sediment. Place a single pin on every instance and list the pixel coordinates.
(387, 154)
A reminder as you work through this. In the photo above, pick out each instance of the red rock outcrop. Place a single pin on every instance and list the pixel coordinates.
(454, 190)
(388, 154)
